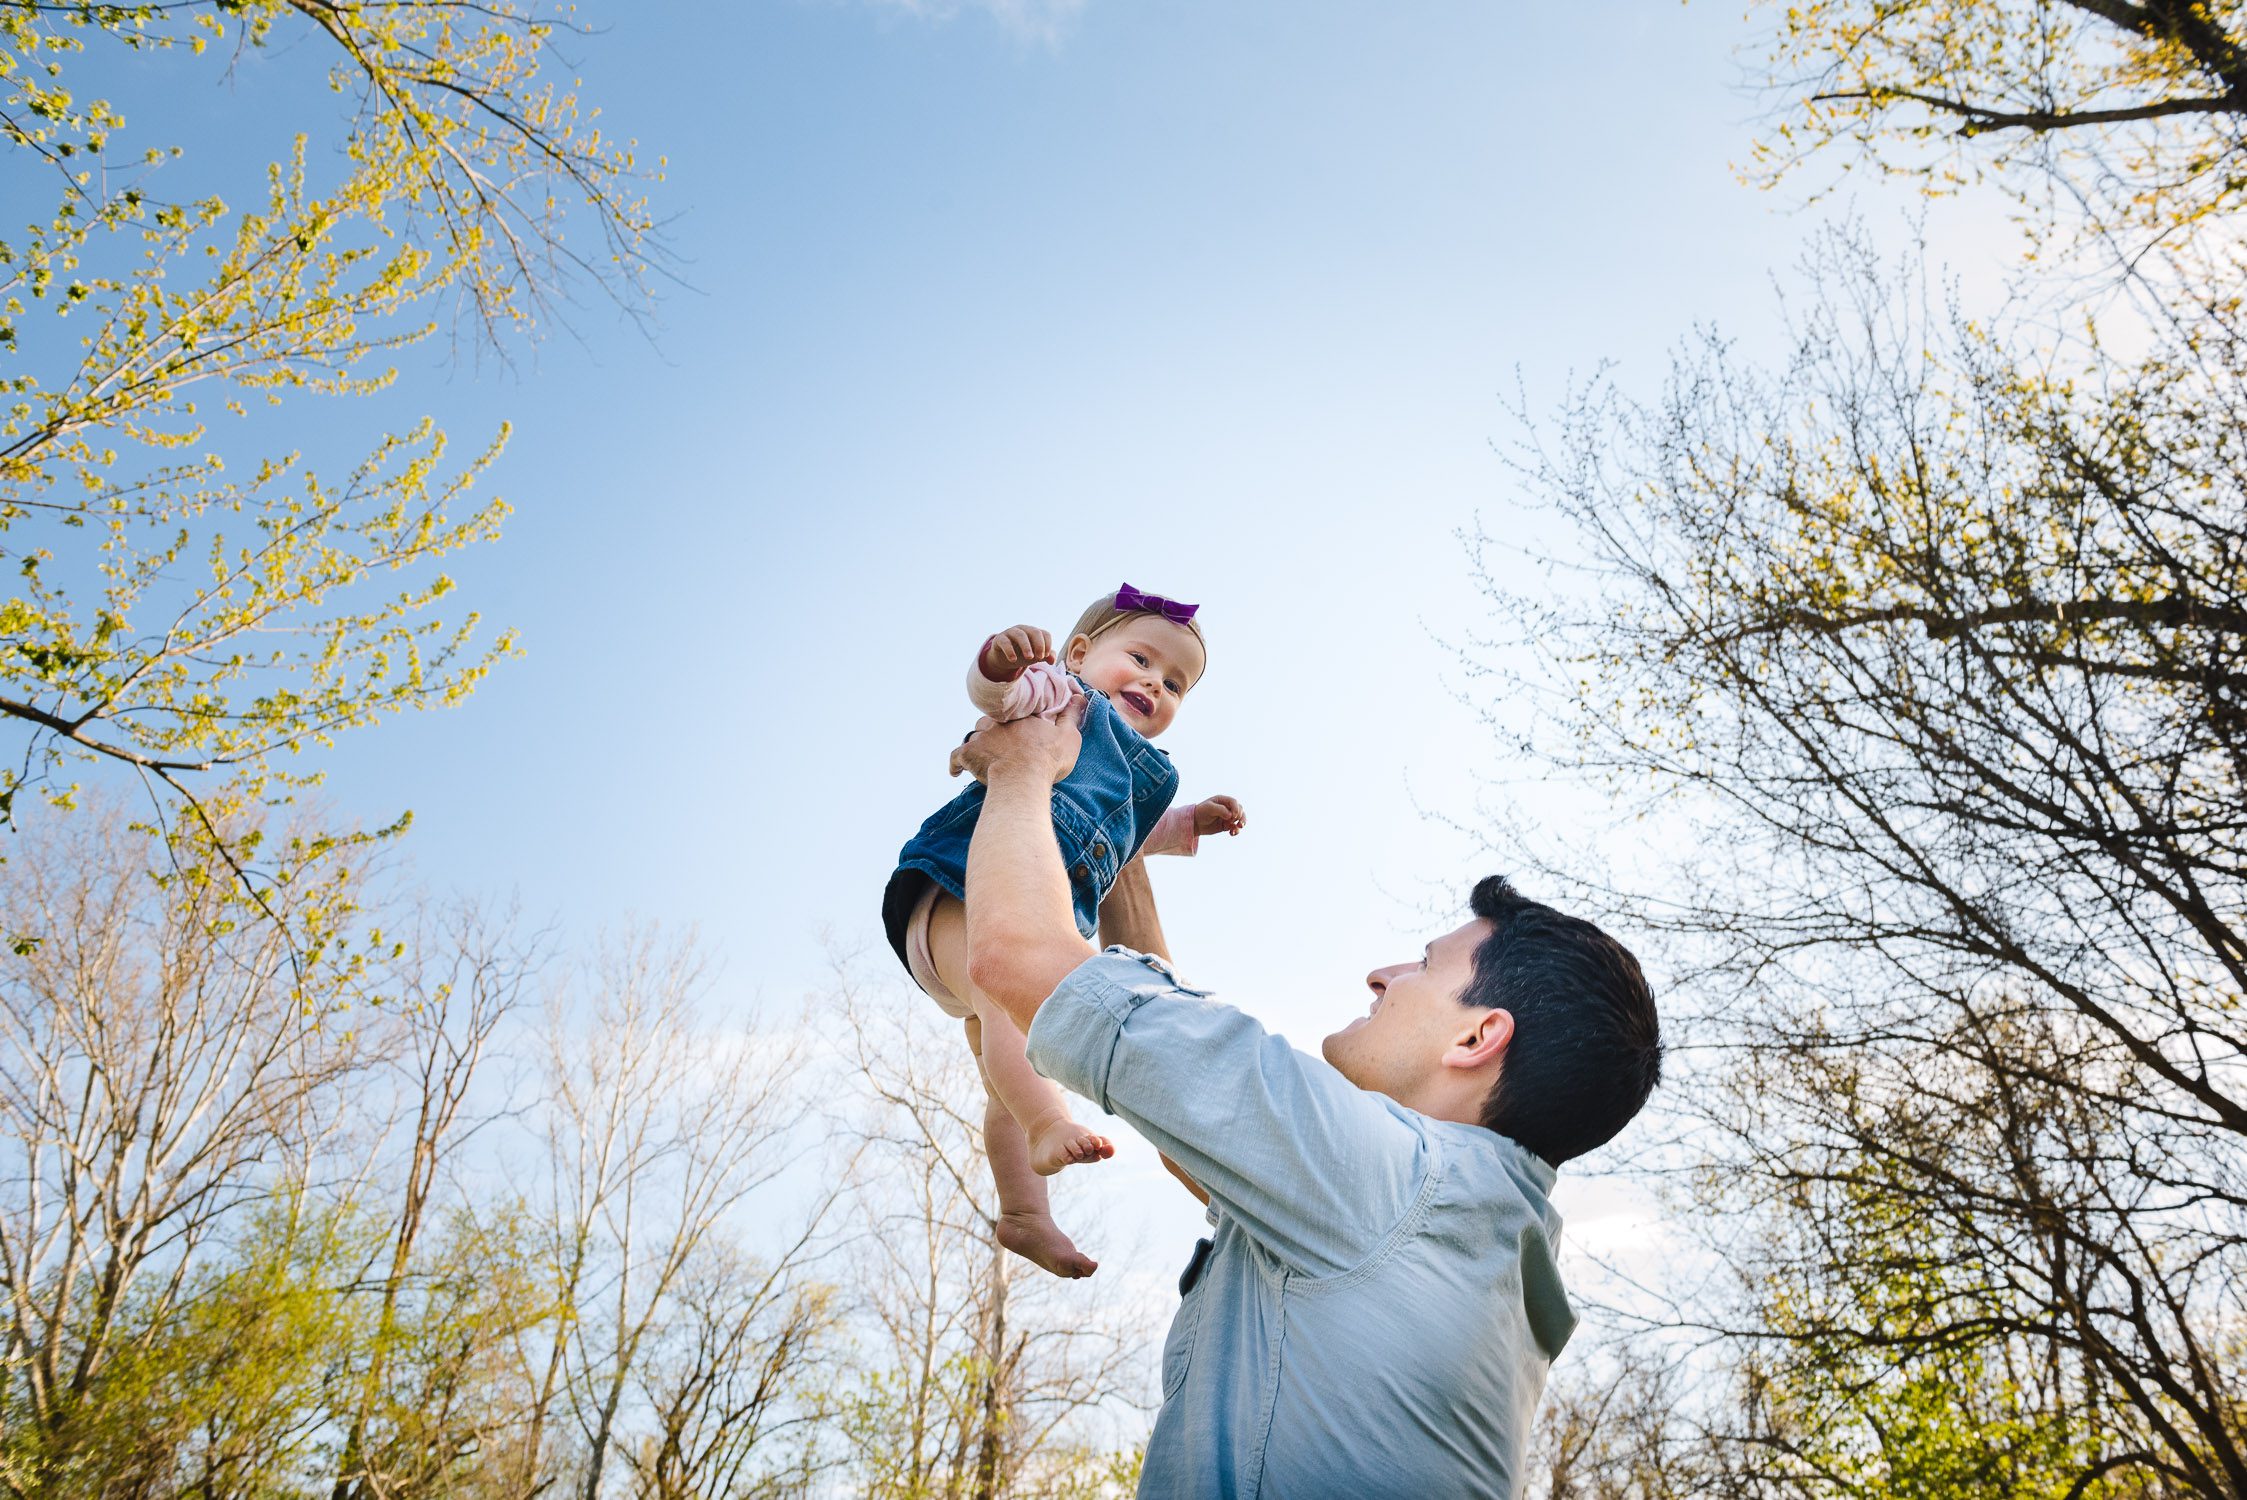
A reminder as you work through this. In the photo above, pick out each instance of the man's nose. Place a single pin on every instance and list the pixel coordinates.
(1378, 980)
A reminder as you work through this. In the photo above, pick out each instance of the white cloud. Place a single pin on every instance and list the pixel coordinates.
(1038, 20)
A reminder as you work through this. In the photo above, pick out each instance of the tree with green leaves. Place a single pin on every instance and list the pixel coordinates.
(188, 606)
(968, 1382)
(167, 1079)
(1923, 648)
(1928, 649)
(272, 1236)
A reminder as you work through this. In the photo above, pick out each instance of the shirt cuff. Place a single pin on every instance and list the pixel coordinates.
(1174, 834)
(1040, 688)
(988, 697)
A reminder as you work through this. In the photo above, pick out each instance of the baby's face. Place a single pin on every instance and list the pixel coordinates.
(1145, 666)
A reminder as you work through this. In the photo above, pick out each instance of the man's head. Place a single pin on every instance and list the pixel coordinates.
(1536, 1025)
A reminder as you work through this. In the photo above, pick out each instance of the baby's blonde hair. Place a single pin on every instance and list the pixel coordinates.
(1102, 616)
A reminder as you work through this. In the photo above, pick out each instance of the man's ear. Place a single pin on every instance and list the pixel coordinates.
(1481, 1042)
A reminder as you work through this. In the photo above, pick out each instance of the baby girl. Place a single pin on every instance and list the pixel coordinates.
(1135, 656)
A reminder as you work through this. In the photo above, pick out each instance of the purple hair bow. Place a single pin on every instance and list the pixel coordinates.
(1131, 600)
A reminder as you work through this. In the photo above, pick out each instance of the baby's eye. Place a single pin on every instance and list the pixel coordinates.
(1172, 688)
(1135, 656)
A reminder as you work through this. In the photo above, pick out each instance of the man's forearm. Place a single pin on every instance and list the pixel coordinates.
(1129, 917)
(1021, 931)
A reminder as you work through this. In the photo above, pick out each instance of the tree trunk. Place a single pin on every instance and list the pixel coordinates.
(988, 1456)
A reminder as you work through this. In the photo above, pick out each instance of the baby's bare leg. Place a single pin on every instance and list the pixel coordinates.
(1025, 1213)
(1056, 1141)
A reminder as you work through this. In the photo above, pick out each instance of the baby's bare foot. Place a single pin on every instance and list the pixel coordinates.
(1037, 1239)
(1065, 1143)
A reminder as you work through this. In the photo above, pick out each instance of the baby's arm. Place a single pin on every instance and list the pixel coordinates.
(1013, 676)
(1180, 830)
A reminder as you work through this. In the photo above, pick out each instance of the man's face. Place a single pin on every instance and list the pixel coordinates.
(1398, 1045)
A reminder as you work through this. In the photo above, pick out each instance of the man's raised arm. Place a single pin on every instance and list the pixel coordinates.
(1129, 917)
(1021, 930)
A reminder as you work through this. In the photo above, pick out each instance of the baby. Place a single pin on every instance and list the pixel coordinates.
(1135, 656)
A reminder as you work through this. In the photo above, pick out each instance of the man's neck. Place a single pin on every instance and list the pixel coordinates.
(1456, 1097)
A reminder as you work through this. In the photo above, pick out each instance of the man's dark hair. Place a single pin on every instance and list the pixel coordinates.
(1586, 1049)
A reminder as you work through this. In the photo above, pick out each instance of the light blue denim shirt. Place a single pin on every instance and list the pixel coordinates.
(1379, 1302)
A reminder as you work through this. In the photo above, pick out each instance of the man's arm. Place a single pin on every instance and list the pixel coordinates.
(1021, 930)
(1129, 917)
(1315, 1169)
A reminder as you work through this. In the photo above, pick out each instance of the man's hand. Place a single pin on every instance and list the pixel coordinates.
(1008, 654)
(1027, 747)
(1219, 815)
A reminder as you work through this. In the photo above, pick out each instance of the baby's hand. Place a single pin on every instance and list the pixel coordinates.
(1009, 653)
(1219, 815)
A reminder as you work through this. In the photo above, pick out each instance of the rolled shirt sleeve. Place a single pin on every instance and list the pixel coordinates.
(1316, 1169)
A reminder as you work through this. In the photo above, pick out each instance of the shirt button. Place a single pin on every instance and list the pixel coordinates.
(1079, 873)
(1099, 851)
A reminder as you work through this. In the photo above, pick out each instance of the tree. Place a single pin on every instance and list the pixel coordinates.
(449, 986)
(2128, 116)
(190, 614)
(734, 1387)
(273, 1237)
(1615, 1426)
(1930, 653)
(1921, 1369)
(973, 1380)
(164, 1072)
(659, 1129)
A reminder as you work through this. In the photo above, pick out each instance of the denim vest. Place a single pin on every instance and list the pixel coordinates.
(1103, 811)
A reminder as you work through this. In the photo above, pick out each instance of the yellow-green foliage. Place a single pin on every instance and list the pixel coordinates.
(219, 1379)
(186, 607)
(2135, 107)
(1928, 642)
(1902, 1384)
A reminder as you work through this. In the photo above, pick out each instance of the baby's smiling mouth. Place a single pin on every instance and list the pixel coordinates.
(1139, 704)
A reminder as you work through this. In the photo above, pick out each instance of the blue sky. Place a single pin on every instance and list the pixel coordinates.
(988, 307)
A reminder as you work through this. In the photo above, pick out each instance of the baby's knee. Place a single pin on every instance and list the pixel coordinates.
(975, 1036)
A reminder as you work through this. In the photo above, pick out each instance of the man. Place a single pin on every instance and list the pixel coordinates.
(1377, 1306)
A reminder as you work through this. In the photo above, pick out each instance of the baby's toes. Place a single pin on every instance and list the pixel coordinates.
(1067, 1144)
